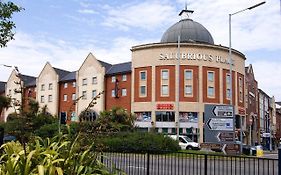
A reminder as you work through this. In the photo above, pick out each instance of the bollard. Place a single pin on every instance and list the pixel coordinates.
(279, 160)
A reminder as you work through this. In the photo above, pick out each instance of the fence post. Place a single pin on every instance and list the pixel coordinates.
(147, 164)
(279, 160)
(101, 157)
(206, 164)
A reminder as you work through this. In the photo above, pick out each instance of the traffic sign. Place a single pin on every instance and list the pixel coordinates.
(232, 149)
(211, 145)
(221, 124)
(226, 137)
(223, 111)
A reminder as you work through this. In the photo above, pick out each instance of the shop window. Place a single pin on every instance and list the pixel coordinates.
(191, 117)
(165, 116)
(143, 116)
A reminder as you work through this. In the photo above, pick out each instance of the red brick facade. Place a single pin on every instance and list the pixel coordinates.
(121, 100)
(216, 98)
(137, 97)
(171, 80)
(66, 103)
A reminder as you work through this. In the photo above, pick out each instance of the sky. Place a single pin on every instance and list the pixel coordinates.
(64, 32)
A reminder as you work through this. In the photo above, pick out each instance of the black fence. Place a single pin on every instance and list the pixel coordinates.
(188, 164)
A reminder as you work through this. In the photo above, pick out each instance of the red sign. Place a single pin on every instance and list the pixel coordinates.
(165, 106)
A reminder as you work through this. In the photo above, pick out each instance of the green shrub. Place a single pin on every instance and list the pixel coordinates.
(139, 142)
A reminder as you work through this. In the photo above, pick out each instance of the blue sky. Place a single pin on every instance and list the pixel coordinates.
(63, 32)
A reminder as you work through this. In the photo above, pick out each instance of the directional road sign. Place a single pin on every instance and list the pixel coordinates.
(226, 137)
(223, 111)
(221, 124)
(233, 149)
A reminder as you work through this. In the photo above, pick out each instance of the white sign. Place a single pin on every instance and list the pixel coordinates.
(222, 124)
(223, 111)
(266, 134)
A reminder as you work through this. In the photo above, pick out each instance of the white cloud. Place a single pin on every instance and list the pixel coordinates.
(146, 15)
(87, 11)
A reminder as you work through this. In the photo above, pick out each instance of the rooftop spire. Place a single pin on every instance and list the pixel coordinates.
(185, 14)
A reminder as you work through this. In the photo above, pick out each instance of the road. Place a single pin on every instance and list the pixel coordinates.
(138, 164)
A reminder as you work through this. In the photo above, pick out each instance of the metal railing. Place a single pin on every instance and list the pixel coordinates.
(188, 164)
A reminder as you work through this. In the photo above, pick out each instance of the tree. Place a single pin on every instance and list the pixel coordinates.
(6, 24)
(4, 103)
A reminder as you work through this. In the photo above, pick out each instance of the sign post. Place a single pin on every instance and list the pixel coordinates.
(219, 128)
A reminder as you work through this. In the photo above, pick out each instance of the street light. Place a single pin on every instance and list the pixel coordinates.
(230, 62)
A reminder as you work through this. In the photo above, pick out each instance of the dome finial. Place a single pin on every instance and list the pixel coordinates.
(185, 13)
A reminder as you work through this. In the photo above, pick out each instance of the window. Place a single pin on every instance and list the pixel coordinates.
(84, 95)
(143, 90)
(50, 98)
(42, 99)
(10, 92)
(84, 82)
(50, 86)
(188, 90)
(74, 84)
(65, 85)
(73, 97)
(143, 116)
(95, 80)
(113, 79)
(42, 87)
(228, 93)
(124, 77)
(228, 78)
(188, 75)
(165, 74)
(210, 91)
(94, 93)
(124, 92)
(210, 76)
(165, 90)
(113, 93)
(64, 97)
(240, 82)
(143, 76)
(165, 116)
(240, 96)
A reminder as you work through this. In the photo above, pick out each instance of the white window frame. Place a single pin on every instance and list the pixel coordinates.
(228, 95)
(124, 77)
(65, 97)
(145, 91)
(124, 92)
(211, 95)
(73, 96)
(95, 80)
(94, 93)
(42, 87)
(84, 95)
(84, 82)
(165, 77)
(50, 98)
(113, 93)
(74, 84)
(162, 90)
(188, 77)
(145, 73)
(65, 85)
(213, 76)
(50, 86)
(185, 90)
(113, 79)
(42, 99)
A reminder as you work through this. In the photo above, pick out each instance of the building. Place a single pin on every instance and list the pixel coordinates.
(252, 106)
(278, 121)
(47, 84)
(203, 78)
(2, 93)
(20, 88)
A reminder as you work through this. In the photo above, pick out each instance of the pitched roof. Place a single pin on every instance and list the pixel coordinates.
(70, 76)
(120, 68)
(106, 65)
(279, 103)
(61, 72)
(28, 80)
(2, 86)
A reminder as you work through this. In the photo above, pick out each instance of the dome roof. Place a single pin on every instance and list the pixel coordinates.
(189, 31)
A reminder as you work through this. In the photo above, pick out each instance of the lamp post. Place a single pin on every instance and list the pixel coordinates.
(230, 62)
